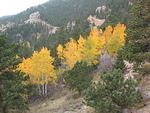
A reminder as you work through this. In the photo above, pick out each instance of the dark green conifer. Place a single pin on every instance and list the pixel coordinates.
(13, 93)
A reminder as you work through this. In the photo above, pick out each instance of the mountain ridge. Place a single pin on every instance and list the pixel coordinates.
(67, 18)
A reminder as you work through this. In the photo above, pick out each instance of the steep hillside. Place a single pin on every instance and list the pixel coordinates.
(61, 19)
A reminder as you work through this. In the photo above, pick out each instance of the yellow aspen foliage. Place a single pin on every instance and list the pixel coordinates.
(39, 67)
(108, 33)
(71, 54)
(91, 51)
(119, 31)
(93, 46)
(97, 43)
(17, 57)
(117, 39)
(95, 32)
(60, 51)
(81, 46)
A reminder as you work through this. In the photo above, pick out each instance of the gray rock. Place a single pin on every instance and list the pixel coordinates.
(126, 111)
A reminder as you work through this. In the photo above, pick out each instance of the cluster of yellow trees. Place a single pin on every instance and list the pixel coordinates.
(96, 44)
(40, 67)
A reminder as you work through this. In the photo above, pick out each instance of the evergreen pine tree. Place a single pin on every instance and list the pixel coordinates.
(113, 93)
(13, 93)
(137, 48)
(79, 77)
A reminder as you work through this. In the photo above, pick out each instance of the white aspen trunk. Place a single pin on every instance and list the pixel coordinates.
(39, 88)
(43, 89)
(43, 86)
(46, 89)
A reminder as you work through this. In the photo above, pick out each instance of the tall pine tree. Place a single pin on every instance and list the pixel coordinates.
(137, 48)
(13, 93)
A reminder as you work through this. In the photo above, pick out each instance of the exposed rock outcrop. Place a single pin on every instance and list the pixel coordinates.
(93, 20)
(34, 18)
(70, 25)
(4, 27)
(100, 8)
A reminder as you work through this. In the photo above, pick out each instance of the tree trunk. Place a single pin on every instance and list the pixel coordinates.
(43, 89)
(39, 88)
(4, 110)
(80, 92)
(46, 89)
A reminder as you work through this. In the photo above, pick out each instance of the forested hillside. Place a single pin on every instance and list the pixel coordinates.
(56, 21)
(76, 56)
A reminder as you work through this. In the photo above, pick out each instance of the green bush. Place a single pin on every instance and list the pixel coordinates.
(146, 69)
(113, 93)
(79, 77)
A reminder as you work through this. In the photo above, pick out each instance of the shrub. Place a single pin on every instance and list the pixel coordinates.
(79, 77)
(146, 69)
(113, 93)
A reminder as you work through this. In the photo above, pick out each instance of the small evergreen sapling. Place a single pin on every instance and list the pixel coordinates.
(79, 77)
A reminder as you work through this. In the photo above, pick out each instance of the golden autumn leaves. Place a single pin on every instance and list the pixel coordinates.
(90, 49)
(39, 67)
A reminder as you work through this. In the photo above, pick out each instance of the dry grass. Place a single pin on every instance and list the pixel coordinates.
(61, 103)
(50, 106)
